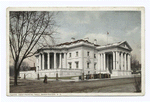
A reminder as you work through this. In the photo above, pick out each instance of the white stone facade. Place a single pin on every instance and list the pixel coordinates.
(85, 57)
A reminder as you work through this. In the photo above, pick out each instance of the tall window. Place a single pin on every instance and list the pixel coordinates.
(70, 65)
(94, 65)
(88, 64)
(88, 53)
(77, 65)
(94, 55)
(69, 54)
(76, 53)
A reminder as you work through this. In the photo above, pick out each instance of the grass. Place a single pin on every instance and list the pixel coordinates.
(33, 86)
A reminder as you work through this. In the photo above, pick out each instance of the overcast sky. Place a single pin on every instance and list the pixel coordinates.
(121, 25)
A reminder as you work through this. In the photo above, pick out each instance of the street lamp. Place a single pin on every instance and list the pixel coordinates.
(38, 73)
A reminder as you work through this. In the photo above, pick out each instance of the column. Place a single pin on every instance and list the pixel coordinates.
(49, 60)
(98, 62)
(129, 63)
(121, 60)
(107, 62)
(65, 60)
(48, 67)
(39, 61)
(114, 61)
(101, 61)
(54, 60)
(60, 61)
(117, 60)
(104, 66)
(125, 64)
(43, 61)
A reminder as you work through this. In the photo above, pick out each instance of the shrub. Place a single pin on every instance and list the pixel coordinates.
(137, 83)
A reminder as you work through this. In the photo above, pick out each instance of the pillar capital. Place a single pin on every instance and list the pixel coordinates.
(42, 53)
(64, 52)
(129, 54)
(99, 53)
(121, 51)
(118, 51)
(47, 52)
(113, 52)
(124, 52)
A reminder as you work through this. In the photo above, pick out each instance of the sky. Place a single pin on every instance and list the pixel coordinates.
(121, 25)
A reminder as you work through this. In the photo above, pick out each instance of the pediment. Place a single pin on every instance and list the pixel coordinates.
(125, 45)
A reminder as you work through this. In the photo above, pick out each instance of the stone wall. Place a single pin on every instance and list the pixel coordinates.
(50, 73)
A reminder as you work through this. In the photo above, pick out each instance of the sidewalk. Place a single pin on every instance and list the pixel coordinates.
(77, 79)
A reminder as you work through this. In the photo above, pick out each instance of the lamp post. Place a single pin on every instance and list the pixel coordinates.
(56, 75)
(82, 74)
(38, 73)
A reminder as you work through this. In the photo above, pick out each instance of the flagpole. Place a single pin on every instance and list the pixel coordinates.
(107, 39)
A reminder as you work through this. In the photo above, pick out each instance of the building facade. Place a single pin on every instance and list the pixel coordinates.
(81, 56)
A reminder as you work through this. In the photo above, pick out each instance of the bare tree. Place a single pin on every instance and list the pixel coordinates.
(134, 63)
(29, 30)
(24, 66)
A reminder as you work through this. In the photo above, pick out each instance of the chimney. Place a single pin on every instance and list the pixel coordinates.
(72, 39)
(95, 41)
(86, 39)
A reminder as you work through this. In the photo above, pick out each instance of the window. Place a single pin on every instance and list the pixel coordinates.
(70, 65)
(77, 64)
(76, 53)
(69, 54)
(94, 55)
(88, 53)
(88, 64)
(94, 65)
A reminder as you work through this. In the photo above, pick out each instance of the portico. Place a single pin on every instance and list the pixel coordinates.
(114, 59)
(51, 60)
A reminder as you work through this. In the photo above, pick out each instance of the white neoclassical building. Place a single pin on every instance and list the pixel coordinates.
(81, 56)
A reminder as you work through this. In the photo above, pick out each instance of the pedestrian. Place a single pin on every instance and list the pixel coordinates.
(45, 79)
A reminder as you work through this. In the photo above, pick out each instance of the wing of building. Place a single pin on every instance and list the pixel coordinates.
(81, 56)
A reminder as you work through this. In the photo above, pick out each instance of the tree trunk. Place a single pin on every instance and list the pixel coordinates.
(15, 79)
(15, 74)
